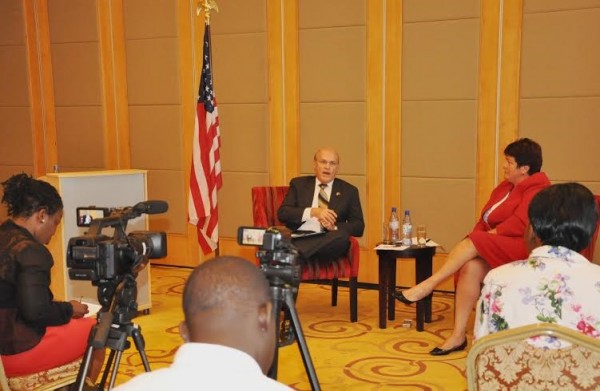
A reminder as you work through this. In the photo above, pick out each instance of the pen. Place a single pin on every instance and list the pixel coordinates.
(80, 298)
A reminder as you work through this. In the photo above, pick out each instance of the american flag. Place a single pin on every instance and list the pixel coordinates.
(205, 176)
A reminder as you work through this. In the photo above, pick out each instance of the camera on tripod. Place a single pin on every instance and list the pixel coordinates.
(96, 257)
(108, 261)
(279, 262)
(112, 263)
(277, 255)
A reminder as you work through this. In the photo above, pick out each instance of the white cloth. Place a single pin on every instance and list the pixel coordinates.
(199, 366)
(491, 209)
(312, 223)
(555, 285)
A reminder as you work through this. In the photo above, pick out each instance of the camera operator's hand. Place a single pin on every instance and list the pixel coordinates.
(79, 309)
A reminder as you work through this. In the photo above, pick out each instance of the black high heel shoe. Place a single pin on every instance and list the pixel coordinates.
(444, 352)
(398, 295)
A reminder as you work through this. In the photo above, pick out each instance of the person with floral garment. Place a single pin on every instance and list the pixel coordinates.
(555, 284)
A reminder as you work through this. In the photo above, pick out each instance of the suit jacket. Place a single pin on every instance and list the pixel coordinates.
(344, 200)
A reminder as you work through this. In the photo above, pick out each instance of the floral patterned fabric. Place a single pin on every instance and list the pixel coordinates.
(521, 366)
(554, 285)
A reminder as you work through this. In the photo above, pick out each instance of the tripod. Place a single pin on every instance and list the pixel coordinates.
(283, 298)
(114, 336)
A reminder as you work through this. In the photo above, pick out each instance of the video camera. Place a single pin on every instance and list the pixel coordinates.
(277, 255)
(98, 257)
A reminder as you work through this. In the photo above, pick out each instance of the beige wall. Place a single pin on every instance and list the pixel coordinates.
(419, 97)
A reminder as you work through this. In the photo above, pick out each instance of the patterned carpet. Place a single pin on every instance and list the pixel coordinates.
(346, 356)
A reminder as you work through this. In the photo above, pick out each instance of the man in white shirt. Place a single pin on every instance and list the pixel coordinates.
(229, 333)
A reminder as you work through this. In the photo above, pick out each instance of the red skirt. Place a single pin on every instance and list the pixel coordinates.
(498, 250)
(60, 345)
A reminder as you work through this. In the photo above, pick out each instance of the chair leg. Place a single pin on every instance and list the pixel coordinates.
(353, 284)
(334, 290)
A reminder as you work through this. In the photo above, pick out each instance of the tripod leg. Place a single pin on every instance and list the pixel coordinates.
(308, 365)
(138, 340)
(111, 357)
(113, 375)
(276, 295)
(83, 369)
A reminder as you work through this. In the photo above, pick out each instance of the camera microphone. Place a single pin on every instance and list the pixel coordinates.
(151, 207)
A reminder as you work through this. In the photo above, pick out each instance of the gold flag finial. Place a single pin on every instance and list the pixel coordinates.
(207, 6)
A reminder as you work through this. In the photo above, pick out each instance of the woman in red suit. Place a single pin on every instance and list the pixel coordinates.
(496, 239)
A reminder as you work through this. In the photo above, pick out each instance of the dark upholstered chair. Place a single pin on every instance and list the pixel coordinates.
(265, 203)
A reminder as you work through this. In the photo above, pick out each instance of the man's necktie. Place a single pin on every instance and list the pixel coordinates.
(323, 199)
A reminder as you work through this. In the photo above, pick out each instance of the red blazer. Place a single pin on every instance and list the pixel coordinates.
(510, 217)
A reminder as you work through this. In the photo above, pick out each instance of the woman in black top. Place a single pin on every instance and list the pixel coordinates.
(36, 332)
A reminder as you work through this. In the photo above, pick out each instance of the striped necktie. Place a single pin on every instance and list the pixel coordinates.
(323, 198)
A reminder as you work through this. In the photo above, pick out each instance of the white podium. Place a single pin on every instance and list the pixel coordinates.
(109, 189)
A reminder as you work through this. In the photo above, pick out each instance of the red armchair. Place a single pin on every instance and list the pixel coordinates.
(265, 203)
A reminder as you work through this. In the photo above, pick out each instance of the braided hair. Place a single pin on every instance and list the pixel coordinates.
(24, 195)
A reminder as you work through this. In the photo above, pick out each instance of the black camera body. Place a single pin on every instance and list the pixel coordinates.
(97, 257)
(277, 255)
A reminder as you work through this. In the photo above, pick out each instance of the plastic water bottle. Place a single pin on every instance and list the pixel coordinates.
(407, 229)
(394, 226)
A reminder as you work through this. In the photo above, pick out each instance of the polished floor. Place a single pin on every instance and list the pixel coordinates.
(346, 356)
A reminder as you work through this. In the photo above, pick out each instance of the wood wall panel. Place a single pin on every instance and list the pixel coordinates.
(77, 79)
(152, 71)
(341, 125)
(12, 27)
(558, 5)
(445, 206)
(551, 42)
(15, 148)
(453, 74)
(235, 201)
(73, 21)
(240, 63)
(440, 138)
(330, 61)
(240, 16)
(169, 185)
(318, 13)
(561, 126)
(13, 78)
(150, 19)
(156, 139)
(243, 150)
(436, 10)
(80, 137)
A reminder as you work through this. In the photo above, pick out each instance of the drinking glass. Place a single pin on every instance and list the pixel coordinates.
(421, 235)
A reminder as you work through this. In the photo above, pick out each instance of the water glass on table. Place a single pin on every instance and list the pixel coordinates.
(421, 235)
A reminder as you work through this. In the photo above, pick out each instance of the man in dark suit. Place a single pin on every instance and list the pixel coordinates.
(322, 203)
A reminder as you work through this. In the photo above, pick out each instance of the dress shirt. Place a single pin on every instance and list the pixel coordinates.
(312, 223)
(200, 366)
(554, 285)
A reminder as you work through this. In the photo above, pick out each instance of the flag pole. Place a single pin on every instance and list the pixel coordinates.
(205, 180)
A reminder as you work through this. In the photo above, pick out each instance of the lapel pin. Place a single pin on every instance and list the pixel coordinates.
(338, 194)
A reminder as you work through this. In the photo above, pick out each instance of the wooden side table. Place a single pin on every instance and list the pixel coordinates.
(387, 281)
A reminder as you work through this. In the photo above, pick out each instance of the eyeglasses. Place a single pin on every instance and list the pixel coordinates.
(323, 162)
